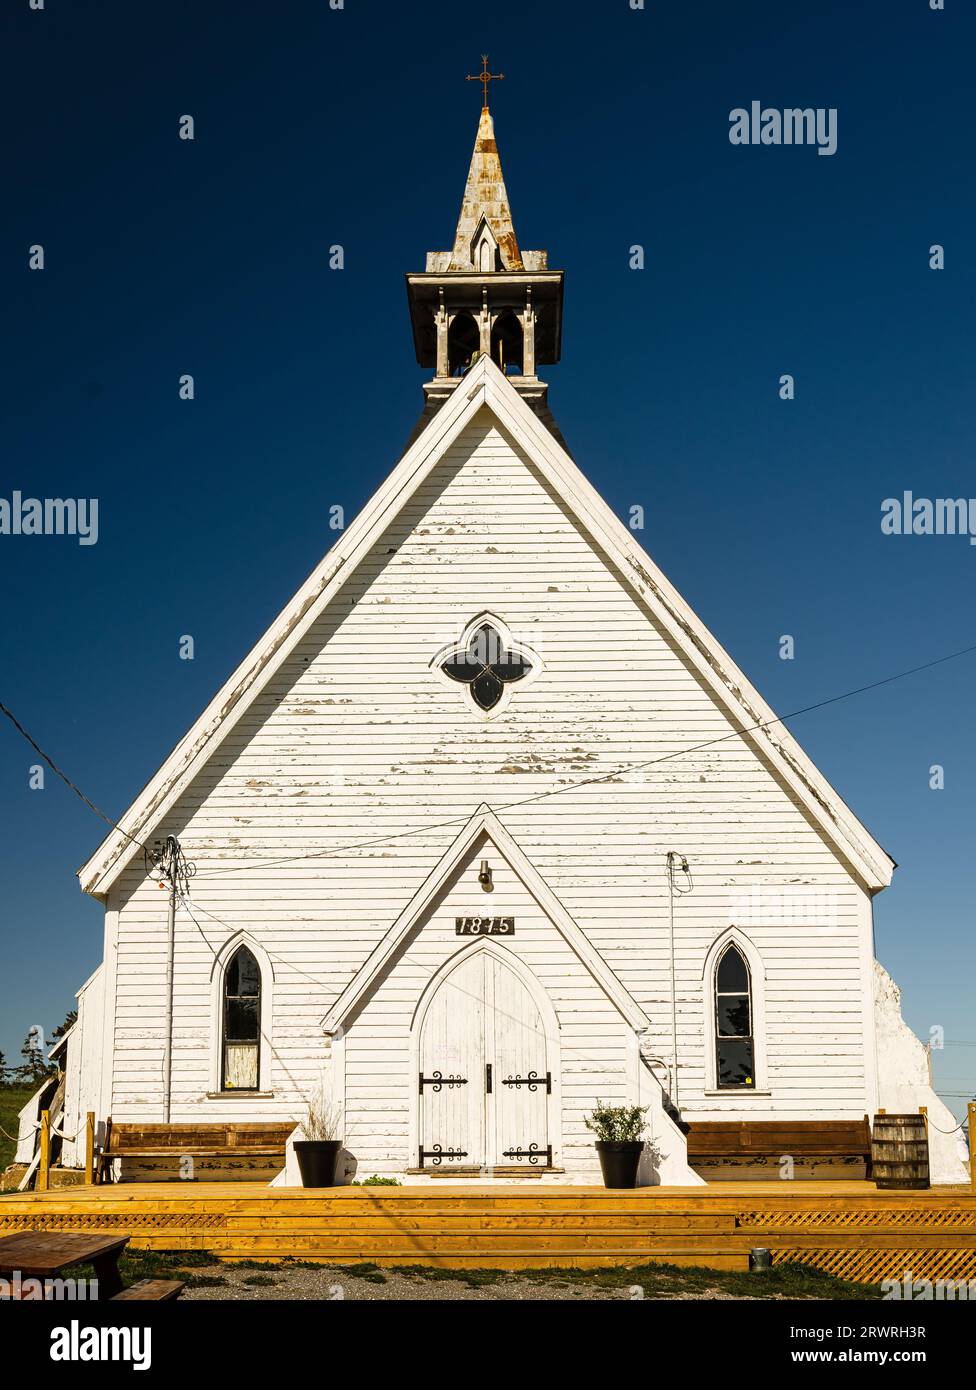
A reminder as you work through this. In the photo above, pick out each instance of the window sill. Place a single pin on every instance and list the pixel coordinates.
(240, 1095)
(728, 1094)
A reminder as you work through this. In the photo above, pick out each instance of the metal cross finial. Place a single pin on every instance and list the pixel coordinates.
(484, 77)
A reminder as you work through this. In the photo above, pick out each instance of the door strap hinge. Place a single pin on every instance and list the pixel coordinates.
(533, 1153)
(437, 1082)
(532, 1082)
(437, 1154)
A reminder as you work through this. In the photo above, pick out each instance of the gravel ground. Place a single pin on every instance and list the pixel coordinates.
(389, 1285)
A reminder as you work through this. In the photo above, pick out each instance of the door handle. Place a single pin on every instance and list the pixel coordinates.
(488, 1078)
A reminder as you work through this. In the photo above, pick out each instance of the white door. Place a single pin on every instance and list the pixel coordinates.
(452, 1092)
(484, 1080)
(521, 1082)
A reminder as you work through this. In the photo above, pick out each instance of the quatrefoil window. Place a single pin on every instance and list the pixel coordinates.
(486, 663)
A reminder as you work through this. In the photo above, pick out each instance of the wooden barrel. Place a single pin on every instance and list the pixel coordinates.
(900, 1151)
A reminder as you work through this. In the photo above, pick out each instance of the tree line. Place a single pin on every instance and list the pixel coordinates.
(34, 1067)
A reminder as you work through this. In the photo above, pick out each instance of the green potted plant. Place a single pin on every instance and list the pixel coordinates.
(618, 1130)
(318, 1152)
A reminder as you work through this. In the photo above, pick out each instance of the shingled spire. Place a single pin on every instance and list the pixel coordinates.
(485, 234)
(486, 296)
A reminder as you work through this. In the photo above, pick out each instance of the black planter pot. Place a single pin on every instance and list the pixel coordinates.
(619, 1161)
(317, 1160)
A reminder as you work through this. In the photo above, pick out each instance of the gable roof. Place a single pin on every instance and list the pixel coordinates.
(486, 387)
(484, 823)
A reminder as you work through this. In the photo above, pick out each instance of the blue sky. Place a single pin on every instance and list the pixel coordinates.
(316, 127)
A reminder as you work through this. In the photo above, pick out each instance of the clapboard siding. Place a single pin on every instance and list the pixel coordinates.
(356, 740)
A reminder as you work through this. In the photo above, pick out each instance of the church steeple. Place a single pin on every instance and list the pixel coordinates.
(486, 295)
(485, 237)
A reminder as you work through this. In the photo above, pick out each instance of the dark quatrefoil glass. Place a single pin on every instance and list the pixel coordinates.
(486, 666)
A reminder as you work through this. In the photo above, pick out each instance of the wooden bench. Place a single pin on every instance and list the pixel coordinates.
(150, 1291)
(744, 1139)
(196, 1141)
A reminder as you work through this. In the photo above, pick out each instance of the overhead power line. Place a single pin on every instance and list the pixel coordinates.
(66, 779)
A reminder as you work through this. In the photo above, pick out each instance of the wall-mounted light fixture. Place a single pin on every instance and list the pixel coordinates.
(484, 876)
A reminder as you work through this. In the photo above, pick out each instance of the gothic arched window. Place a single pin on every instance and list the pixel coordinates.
(735, 1054)
(240, 1063)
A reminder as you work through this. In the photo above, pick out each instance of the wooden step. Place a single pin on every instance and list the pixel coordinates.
(468, 1227)
(474, 1222)
(381, 1215)
(154, 1196)
(189, 1196)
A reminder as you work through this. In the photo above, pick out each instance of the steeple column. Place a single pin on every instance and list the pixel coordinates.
(528, 337)
(484, 325)
(441, 325)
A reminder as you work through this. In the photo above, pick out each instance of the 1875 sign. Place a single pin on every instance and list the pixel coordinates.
(484, 926)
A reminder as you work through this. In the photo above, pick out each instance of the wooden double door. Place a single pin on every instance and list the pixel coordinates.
(485, 1079)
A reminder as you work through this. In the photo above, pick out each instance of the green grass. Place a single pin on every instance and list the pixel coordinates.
(783, 1281)
(474, 1278)
(162, 1264)
(12, 1101)
(370, 1273)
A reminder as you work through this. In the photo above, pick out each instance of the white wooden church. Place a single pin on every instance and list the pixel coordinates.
(488, 828)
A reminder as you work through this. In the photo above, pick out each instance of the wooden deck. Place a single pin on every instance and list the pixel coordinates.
(846, 1228)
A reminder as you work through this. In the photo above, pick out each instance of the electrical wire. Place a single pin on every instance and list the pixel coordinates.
(66, 779)
(948, 1132)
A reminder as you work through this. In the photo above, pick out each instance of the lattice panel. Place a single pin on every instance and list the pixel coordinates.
(156, 1224)
(871, 1266)
(929, 1218)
